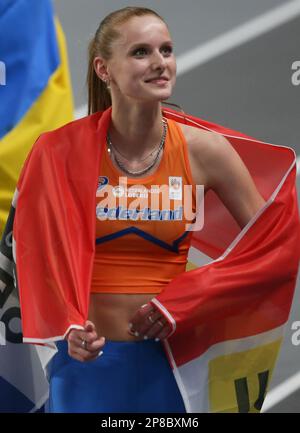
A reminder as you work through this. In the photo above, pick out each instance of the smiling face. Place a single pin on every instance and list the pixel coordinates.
(143, 52)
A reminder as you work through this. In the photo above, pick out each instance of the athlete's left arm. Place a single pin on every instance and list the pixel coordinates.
(228, 177)
(226, 174)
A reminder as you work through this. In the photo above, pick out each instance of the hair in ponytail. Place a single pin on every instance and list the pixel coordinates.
(99, 97)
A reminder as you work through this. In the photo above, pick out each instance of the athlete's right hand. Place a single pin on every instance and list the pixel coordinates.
(85, 345)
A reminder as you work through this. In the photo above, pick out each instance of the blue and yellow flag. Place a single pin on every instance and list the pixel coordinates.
(35, 96)
(35, 86)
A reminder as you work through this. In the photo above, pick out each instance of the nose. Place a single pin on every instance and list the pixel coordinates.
(158, 60)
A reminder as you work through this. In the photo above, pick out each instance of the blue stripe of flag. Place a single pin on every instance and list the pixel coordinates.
(29, 50)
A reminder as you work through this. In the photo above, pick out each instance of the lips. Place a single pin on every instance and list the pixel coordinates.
(157, 79)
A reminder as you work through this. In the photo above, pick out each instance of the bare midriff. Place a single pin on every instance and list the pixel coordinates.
(112, 312)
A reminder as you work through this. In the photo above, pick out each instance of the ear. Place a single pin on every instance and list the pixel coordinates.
(100, 68)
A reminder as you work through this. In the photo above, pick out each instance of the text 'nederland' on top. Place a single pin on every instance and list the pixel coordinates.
(152, 203)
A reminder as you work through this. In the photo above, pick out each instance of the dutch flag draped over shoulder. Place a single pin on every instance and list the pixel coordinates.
(228, 316)
(35, 96)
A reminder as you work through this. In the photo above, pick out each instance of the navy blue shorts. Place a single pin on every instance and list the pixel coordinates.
(130, 376)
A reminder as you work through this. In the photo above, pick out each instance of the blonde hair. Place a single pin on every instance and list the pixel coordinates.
(99, 98)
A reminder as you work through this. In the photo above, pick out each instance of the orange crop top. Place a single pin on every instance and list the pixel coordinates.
(141, 237)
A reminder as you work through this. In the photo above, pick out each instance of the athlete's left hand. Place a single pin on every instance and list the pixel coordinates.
(149, 322)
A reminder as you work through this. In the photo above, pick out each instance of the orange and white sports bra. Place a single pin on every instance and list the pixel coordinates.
(142, 240)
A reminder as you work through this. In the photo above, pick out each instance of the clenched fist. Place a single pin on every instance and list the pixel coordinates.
(85, 345)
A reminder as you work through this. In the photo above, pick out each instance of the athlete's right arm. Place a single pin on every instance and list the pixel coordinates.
(88, 351)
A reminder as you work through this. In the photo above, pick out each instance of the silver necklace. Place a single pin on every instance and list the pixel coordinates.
(127, 159)
(111, 149)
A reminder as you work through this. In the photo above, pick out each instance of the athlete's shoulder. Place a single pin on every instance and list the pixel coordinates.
(200, 141)
(204, 147)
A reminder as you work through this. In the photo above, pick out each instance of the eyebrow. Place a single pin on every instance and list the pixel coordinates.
(145, 44)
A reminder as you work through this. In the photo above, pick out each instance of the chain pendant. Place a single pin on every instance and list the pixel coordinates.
(138, 173)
